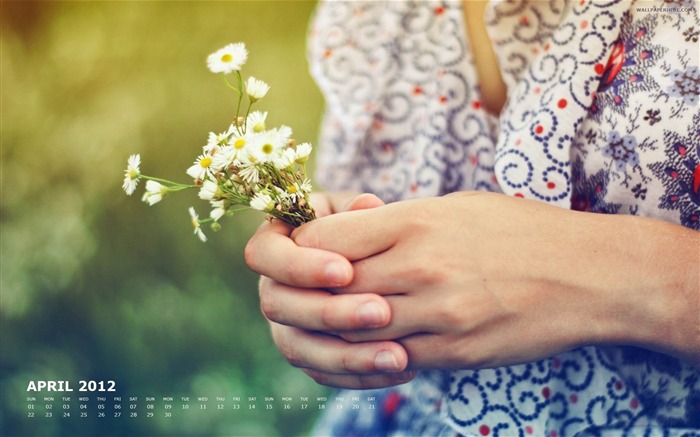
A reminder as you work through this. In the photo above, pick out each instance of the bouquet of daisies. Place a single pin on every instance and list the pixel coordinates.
(246, 166)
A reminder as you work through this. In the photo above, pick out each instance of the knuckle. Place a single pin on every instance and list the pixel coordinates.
(449, 315)
(423, 276)
(306, 236)
(250, 253)
(419, 221)
(268, 305)
(346, 363)
(329, 316)
(290, 354)
(450, 311)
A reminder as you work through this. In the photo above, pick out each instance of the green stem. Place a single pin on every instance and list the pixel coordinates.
(247, 113)
(228, 84)
(238, 91)
(240, 98)
(170, 184)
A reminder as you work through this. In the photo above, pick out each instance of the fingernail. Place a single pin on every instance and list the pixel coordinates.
(336, 274)
(385, 360)
(371, 314)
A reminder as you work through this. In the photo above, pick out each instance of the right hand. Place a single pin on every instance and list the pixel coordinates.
(303, 314)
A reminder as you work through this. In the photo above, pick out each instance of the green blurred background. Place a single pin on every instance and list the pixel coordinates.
(96, 284)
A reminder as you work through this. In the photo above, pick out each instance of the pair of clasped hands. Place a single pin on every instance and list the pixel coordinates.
(368, 293)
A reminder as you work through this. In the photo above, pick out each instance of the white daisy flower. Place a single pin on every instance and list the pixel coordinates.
(200, 170)
(285, 159)
(305, 186)
(155, 192)
(217, 140)
(281, 194)
(223, 158)
(238, 141)
(268, 145)
(250, 173)
(132, 174)
(196, 225)
(256, 122)
(219, 209)
(303, 151)
(262, 202)
(285, 132)
(237, 144)
(209, 191)
(294, 192)
(256, 89)
(248, 159)
(228, 59)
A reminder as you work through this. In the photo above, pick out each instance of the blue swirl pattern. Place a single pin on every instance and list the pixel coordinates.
(587, 80)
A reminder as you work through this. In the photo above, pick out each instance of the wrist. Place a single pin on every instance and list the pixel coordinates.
(649, 290)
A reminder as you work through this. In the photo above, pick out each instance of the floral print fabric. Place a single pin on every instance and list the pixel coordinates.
(602, 116)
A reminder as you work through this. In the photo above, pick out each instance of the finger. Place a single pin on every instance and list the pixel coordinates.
(326, 203)
(409, 316)
(353, 234)
(360, 381)
(320, 310)
(271, 252)
(321, 203)
(388, 273)
(330, 354)
(364, 201)
(432, 351)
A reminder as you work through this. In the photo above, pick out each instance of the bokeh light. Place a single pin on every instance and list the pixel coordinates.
(96, 284)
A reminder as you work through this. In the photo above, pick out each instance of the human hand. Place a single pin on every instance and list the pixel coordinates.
(475, 279)
(295, 299)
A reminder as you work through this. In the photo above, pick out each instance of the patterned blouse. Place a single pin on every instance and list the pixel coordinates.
(602, 116)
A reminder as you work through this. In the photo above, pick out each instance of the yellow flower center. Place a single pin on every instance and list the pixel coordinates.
(239, 143)
(205, 162)
(292, 189)
(227, 58)
(259, 127)
(267, 148)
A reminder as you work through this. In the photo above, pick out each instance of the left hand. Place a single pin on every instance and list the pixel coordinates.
(481, 280)
(294, 298)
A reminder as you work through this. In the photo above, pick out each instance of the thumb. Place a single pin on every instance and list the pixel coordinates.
(356, 233)
(364, 201)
